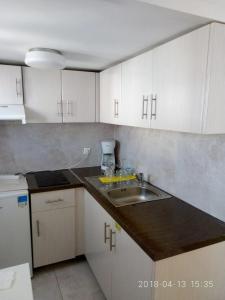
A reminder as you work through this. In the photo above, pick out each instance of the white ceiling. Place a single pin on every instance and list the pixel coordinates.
(92, 34)
(213, 9)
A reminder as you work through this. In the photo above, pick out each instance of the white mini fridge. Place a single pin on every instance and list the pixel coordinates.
(15, 235)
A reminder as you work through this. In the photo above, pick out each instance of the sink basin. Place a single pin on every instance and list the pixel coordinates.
(128, 193)
(125, 196)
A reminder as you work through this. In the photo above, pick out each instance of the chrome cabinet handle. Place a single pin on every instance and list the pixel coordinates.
(54, 201)
(105, 232)
(144, 111)
(116, 108)
(68, 107)
(111, 245)
(18, 92)
(59, 106)
(38, 228)
(154, 100)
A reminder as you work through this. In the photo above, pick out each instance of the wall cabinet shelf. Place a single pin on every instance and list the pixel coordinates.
(177, 86)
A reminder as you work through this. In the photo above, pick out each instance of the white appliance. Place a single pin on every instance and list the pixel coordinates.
(12, 112)
(15, 235)
(108, 154)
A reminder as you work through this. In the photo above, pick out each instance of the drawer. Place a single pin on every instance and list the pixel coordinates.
(52, 200)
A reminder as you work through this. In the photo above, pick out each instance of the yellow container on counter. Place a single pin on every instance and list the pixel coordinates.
(113, 179)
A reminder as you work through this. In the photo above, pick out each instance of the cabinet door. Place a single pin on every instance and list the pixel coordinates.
(78, 96)
(110, 96)
(130, 268)
(53, 236)
(96, 250)
(42, 92)
(179, 71)
(11, 88)
(137, 90)
(214, 121)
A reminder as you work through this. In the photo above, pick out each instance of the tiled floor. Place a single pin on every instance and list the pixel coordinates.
(66, 281)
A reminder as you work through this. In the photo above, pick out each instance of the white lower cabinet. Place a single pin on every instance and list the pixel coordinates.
(131, 268)
(97, 223)
(116, 260)
(124, 271)
(53, 226)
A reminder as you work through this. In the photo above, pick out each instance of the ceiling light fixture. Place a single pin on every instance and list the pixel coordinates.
(44, 58)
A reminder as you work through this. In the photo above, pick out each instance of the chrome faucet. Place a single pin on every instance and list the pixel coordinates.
(140, 178)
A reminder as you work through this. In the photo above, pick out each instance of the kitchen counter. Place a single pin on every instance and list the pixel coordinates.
(162, 228)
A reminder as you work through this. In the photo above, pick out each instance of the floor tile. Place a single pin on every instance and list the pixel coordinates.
(76, 281)
(45, 285)
(72, 280)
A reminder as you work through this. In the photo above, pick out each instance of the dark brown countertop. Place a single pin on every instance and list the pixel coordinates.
(162, 228)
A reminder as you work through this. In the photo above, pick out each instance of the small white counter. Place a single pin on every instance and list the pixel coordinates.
(21, 288)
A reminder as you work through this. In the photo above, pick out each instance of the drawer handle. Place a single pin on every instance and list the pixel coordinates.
(54, 201)
(105, 232)
(111, 239)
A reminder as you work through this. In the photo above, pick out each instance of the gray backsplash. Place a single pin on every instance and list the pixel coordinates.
(34, 147)
(188, 166)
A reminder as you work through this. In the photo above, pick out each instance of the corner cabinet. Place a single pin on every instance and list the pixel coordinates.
(11, 85)
(177, 86)
(110, 96)
(53, 96)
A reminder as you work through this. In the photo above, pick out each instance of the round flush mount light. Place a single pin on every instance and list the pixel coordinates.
(44, 58)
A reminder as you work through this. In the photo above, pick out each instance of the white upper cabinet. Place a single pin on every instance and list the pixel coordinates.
(42, 93)
(11, 87)
(53, 96)
(179, 78)
(110, 96)
(214, 109)
(177, 86)
(78, 96)
(137, 90)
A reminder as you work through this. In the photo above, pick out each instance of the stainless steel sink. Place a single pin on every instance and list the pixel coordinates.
(128, 193)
